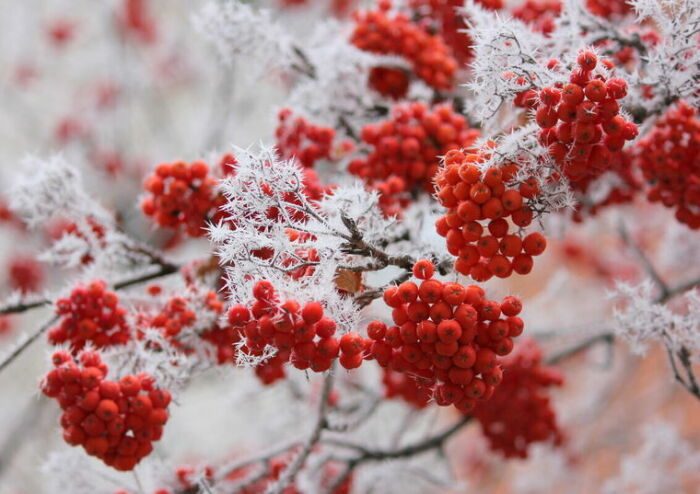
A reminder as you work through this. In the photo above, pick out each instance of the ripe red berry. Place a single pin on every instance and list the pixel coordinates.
(351, 343)
(423, 269)
(587, 60)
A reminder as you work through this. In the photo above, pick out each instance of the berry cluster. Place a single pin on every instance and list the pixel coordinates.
(6, 325)
(443, 16)
(115, 421)
(91, 314)
(520, 412)
(61, 32)
(184, 320)
(405, 148)
(476, 227)
(446, 336)
(187, 478)
(539, 14)
(669, 157)
(609, 8)
(405, 387)
(134, 19)
(299, 334)
(25, 273)
(297, 137)
(378, 31)
(182, 195)
(623, 184)
(273, 468)
(580, 121)
(95, 234)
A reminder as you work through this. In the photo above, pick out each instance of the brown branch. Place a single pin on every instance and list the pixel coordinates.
(17, 351)
(367, 455)
(164, 270)
(689, 382)
(289, 474)
(579, 347)
(356, 245)
(23, 306)
(644, 260)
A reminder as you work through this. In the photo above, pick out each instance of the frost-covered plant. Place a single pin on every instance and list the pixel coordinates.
(326, 292)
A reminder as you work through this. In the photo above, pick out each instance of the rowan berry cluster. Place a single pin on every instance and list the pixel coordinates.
(479, 203)
(609, 9)
(405, 387)
(91, 314)
(274, 467)
(379, 31)
(6, 325)
(115, 421)
(135, 20)
(441, 16)
(625, 185)
(405, 148)
(520, 411)
(61, 32)
(297, 137)
(95, 232)
(299, 334)
(313, 190)
(182, 195)
(580, 121)
(184, 320)
(25, 274)
(539, 14)
(447, 336)
(669, 157)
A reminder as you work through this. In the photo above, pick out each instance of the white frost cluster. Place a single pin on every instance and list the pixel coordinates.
(504, 50)
(50, 189)
(665, 462)
(642, 319)
(237, 28)
(264, 184)
(672, 67)
(337, 89)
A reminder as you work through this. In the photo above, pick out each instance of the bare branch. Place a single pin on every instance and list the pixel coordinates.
(289, 474)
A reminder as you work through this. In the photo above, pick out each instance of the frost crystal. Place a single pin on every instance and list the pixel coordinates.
(338, 93)
(643, 319)
(274, 229)
(238, 29)
(672, 68)
(49, 189)
(505, 50)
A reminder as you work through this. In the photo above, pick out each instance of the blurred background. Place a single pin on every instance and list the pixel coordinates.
(118, 86)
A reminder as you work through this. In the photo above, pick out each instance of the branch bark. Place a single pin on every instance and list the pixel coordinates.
(289, 474)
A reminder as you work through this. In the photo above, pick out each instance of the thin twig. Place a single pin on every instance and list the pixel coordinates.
(289, 474)
(164, 270)
(646, 263)
(431, 443)
(17, 351)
